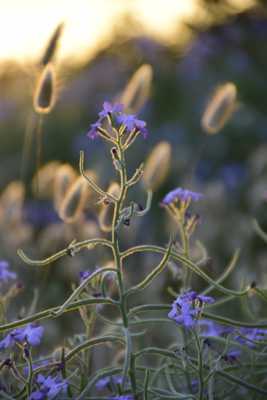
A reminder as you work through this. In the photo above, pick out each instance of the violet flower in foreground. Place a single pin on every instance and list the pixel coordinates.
(182, 195)
(116, 111)
(49, 388)
(110, 109)
(5, 274)
(187, 308)
(131, 122)
(31, 334)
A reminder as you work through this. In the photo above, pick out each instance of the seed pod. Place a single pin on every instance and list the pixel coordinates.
(106, 212)
(44, 97)
(11, 202)
(45, 178)
(137, 90)
(52, 45)
(64, 177)
(220, 108)
(74, 201)
(157, 166)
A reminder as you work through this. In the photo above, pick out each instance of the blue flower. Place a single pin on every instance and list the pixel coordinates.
(109, 109)
(232, 356)
(249, 335)
(187, 308)
(182, 195)
(5, 274)
(211, 328)
(84, 275)
(131, 123)
(93, 132)
(30, 334)
(105, 382)
(49, 387)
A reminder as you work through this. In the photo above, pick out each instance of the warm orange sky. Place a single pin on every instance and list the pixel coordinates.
(26, 25)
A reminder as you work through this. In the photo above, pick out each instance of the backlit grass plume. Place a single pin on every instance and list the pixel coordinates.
(220, 108)
(73, 203)
(137, 90)
(157, 166)
(52, 45)
(65, 175)
(45, 91)
(45, 177)
(106, 212)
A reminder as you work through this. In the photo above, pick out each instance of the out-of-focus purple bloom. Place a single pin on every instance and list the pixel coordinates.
(187, 307)
(122, 397)
(93, 132)
(211, 328)
(49, 387)
(131, 123)
(35, 365)
(250, 335)
(103, 383)
(182, 195)
(40, 214)
(5, 274)
(84, 275)
(233, 175)
(109, 109)
(232, 356)
(32, 334)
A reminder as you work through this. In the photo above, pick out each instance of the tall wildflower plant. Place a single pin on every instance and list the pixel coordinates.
(210, 356)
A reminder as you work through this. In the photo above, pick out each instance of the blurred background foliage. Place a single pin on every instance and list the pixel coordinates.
(224, 42)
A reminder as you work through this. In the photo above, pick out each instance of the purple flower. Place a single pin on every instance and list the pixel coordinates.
(182, 195)
(187, 307)
(131, 122)
(31, 334)
(5, 274)
(232, 356)
(122, 397)
(249, 335)
(93, 132)
(105, 382)
(109, 109)
(211, 328)
(49, 387)
(84, 275)
(35, 365)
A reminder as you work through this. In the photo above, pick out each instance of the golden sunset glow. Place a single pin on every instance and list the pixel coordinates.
(26, 25)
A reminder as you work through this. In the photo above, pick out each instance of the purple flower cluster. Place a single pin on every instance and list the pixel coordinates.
(30, 334)
(187, 308)
(182, 195)
(5, 274)
(49, 387)
(116, 112)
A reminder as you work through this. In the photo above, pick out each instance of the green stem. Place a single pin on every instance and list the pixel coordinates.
(189, 263)
(51, 311)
